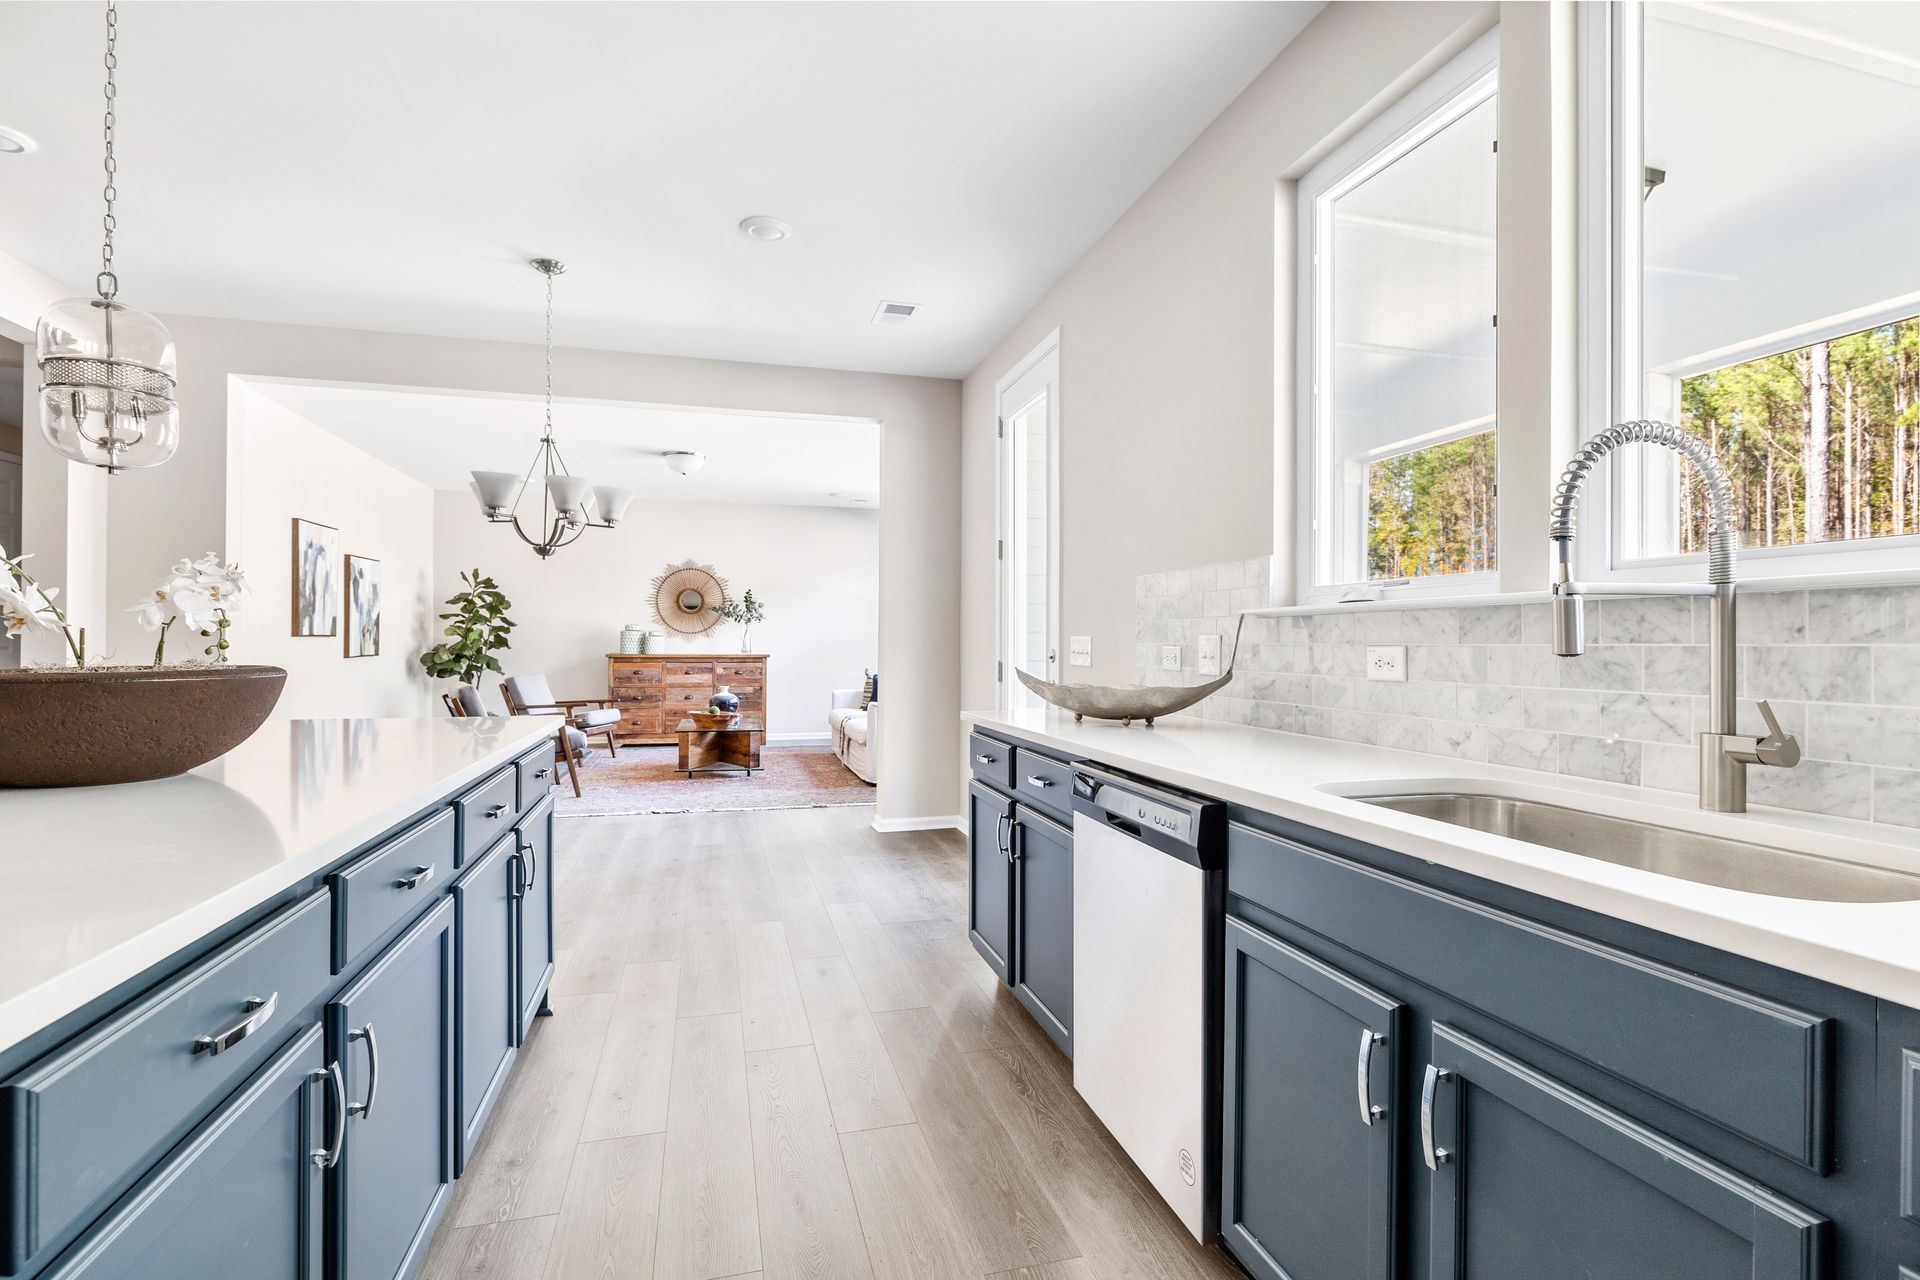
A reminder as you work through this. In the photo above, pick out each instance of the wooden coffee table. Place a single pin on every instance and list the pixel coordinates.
(734, 749)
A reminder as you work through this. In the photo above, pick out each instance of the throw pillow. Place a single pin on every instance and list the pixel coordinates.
(869, 691)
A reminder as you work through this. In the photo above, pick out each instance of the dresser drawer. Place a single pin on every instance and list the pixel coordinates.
(86, 1121)
(639, 723)
(639, 697)
(635, 676)
(683, 700)
(394, 883)
(1755, 1066)
(734, 673)
(534, 774)
(483, 813)
(1043, 782)
(992, 761)
(686, 673)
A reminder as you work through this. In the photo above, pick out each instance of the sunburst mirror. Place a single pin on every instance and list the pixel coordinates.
(684, 596)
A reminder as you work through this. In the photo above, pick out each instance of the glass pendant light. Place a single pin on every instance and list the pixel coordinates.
(107, 372)
(569, 504)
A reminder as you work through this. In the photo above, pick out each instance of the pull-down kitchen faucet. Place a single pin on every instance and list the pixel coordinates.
(1724, 753)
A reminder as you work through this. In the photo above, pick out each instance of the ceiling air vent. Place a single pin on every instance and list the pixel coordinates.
(894, 312)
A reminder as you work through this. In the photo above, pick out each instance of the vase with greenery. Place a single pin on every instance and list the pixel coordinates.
(746, 611)
(477, 627)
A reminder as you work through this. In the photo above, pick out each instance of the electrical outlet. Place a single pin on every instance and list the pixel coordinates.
(1169, 657)
(1208, 655)
(1387, 662)
(1080, 651)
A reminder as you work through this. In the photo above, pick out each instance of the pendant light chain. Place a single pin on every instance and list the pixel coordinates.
(107, 283)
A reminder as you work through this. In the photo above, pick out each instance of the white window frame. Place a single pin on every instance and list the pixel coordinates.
(1040, 367)
(1466, 82)
(1612, 168)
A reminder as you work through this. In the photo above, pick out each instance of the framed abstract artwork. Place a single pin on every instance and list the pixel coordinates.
(363, 607)
(316, 579)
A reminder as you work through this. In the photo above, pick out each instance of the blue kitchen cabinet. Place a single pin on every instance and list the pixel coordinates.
(990, 878)
(240, 1196)
(533, 893)
(1041, 973)
(486, 1022)
(392, 1031)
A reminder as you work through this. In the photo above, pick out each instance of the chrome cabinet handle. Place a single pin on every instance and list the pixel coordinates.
(494, 811)
(1003, 836)
(1436, 1156)
(531, 862)
(544, 773)
(419, 877)
(259, 1014)
(328, 1156)
(365, 1109)
(984, 758)
(1368, 1112)
(518, 888)
(1035, 780)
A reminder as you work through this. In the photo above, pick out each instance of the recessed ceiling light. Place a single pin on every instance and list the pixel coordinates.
(15, 143)
(894, 312)
(684, 461)
(761, 227)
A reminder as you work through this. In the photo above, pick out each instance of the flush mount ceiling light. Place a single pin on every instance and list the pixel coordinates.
(761, 227)
(107, 372)
(684, 461)
(15, 143)
(568, 504)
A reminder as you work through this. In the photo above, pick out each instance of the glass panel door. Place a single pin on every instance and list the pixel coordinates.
(1029, 524)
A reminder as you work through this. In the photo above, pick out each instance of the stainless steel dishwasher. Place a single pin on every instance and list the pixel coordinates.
(1149, 888)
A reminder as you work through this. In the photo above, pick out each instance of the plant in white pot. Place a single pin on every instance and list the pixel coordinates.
(90, 723)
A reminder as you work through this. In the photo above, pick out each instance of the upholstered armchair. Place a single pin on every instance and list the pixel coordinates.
(569, 744)
(532, 696)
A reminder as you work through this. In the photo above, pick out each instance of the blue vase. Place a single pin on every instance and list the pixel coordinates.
(724, 699)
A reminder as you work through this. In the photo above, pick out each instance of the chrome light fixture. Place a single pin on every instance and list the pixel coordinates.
(569, 505)
(107, 372)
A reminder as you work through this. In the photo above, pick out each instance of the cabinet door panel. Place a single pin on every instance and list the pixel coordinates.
(1307, 1189)
(1042, 973)
(241, 1196)
(1539, 1180)
(487, 1028)
(990, 908)
(533, 943)
(391, 1184)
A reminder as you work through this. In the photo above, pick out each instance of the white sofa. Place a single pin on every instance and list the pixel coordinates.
(856, 733)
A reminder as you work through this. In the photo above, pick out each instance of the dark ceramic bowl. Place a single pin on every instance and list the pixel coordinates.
(66, 727)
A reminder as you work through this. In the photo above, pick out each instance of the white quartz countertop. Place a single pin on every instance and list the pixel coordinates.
(1870, 947)
(97, 884)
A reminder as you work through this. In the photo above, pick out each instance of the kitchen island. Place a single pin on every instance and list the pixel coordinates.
(271, 1000)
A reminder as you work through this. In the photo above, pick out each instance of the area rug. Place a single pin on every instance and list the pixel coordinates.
(643, 780)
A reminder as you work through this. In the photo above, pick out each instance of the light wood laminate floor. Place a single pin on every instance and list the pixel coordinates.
(773, 1053)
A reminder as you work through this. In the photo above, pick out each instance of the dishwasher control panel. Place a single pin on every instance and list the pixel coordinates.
(1141, 808)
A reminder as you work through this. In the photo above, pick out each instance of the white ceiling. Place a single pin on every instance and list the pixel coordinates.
(392, 166)
(439, 437)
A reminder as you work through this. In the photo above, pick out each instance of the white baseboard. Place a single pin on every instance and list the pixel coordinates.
(955, 821)
(799, 739)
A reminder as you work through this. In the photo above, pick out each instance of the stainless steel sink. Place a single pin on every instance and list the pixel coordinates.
(1667, 851)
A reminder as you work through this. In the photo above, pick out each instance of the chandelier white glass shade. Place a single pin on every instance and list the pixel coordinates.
(107, 371)
(569, 504)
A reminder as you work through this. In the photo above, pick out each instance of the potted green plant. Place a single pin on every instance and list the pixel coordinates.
(746, 611)
(477, 627)
(91, 723)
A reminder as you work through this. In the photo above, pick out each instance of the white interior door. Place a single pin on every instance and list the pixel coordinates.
(1029, 534)
(9, 537)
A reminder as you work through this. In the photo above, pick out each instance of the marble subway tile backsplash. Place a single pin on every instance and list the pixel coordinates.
(1841, 667)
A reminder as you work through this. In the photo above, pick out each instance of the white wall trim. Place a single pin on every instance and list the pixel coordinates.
(955, 822)
(799, 739)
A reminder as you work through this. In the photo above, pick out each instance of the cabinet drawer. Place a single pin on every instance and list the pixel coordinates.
(734, 672)
(394, 883)
(1756, 1067)
(622, 677)
(686, 673)
(534, 772)
(1044, 783)
(688, 699)
(639, 723)
(86, 1121)
(992, 761)
(628, 699)
(741, 691)
(484, 812)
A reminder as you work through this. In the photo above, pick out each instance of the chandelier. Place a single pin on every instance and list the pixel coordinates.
(107, 372)
(569, 506)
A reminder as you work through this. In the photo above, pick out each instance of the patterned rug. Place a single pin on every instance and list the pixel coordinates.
(643, 780)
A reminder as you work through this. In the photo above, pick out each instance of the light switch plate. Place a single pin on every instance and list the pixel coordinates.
(1208, 655)
(1169, 657)
(1387, 662)
(1080, 651)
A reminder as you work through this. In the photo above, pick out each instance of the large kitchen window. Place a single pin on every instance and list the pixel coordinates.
(1397, 458)
(1754, 224)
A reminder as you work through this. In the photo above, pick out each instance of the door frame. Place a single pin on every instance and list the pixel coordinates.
(1040, 368)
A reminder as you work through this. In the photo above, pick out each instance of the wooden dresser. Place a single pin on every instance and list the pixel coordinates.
(656, 690)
